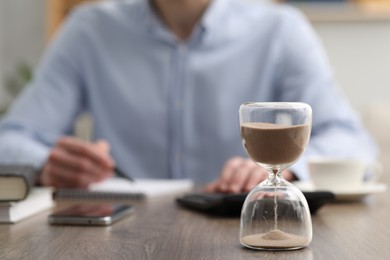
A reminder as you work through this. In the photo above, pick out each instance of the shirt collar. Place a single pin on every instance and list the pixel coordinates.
(214, 14)
(211, 20)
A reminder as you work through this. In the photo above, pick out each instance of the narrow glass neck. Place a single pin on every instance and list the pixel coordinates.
(275, 176)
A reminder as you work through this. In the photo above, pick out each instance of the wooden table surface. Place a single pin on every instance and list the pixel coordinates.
(159, 229)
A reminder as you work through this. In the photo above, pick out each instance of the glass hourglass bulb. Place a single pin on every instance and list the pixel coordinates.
(275, 214)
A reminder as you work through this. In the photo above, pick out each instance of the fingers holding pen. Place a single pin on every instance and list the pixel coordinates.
(95, 152)
(76, 163)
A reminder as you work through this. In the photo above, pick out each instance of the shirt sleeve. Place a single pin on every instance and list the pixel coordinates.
(48, 106)
(306, 76)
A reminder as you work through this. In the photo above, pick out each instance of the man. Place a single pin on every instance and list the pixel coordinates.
(163, 81)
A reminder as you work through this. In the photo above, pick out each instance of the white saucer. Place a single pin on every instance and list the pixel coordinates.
(347, 195)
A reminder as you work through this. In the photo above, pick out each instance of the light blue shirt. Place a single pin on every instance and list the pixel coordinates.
(170, 108)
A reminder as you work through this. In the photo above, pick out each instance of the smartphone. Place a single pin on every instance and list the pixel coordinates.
(90, 214)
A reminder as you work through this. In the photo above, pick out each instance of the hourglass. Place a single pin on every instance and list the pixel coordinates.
(275, 214)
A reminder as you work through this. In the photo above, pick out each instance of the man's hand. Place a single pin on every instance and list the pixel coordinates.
(76, 163)
(241, 175)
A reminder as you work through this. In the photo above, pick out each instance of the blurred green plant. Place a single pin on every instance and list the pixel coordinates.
(15, 82)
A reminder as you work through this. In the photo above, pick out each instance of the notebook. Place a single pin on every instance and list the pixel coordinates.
(120, 188)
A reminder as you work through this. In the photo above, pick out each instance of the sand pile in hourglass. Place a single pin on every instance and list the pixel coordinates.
(275, 239)
(280, 144)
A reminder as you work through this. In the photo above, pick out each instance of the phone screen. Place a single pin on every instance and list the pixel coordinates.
(90, 214)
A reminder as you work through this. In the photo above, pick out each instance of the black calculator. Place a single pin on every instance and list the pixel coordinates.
(230, 204)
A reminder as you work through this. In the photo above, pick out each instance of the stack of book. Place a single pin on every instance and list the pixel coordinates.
(19, 198)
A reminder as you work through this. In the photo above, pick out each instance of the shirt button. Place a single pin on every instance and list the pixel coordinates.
(182, 48)
(179, 104)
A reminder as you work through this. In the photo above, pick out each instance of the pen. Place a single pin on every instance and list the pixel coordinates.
(120, 173)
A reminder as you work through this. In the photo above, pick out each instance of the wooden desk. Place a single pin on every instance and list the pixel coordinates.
(159, 229)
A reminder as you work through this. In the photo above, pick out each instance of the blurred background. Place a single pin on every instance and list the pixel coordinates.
(355, 34)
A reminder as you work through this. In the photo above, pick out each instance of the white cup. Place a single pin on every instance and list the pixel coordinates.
(338, 174)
